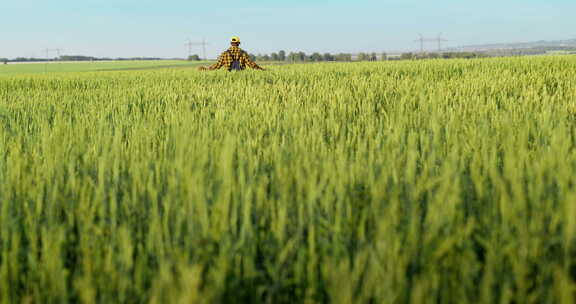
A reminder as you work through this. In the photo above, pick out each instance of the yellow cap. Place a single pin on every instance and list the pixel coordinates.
(235, 39)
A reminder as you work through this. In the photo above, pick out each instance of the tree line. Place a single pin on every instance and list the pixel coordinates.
(282, 56)
(298, 57)
(76, 58)
(443, 55)
(302, 57)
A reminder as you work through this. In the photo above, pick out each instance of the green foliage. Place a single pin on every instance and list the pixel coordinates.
(328, 57)
(343, 57)
(76, 58)
(363, 57)
(390, 182)
(444, 55)
(316, 57)
(465, 55)
(407, 56)
(194, 57)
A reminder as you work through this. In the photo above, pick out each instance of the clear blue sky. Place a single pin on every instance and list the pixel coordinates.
(160, 28)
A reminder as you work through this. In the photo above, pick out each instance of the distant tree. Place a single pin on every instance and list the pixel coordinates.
(252, 57)
(447, 55)
(297, 56)
(194, 58)
(75, 58)
(316, 57)
(24, 59)
(274, 57)
(362, 57)
(282, 55)
(4, 60)
(465, 55)
(343, 57)
(433, 55)
(373, 57)
(327, 57)
(383, 56)
(266, 57)
(469, 55)
(407, 56)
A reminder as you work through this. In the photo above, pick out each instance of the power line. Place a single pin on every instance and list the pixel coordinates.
(190, 44)
(58, 52)
(437, 40)
(47, 50)
(421, 40)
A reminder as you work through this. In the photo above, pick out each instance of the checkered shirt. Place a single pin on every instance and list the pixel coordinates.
(234, 52)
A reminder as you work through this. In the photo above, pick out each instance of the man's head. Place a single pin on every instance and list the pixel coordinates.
(235, 41)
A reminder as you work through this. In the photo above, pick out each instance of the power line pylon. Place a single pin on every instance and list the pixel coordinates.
(190, 44)
(421, 40)
(47, 50)
(58, 52)
(437, 40)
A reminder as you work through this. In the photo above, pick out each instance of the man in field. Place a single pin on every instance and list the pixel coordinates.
(233, 59)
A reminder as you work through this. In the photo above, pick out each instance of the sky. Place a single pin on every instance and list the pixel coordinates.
(146, 28)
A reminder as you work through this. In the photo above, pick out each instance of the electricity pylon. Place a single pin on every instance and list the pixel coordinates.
(438, 40)
(190, 44)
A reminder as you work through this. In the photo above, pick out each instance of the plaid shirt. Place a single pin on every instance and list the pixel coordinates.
(234, 52)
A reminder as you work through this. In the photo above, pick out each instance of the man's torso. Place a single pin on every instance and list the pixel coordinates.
(232, 54)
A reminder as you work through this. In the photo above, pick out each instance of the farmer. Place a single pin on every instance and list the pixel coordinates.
(233, 59)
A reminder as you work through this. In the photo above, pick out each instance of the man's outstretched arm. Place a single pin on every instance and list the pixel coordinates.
(251, 63)
(219, 64)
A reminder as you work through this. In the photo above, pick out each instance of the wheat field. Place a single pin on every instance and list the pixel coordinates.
(392, 182)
